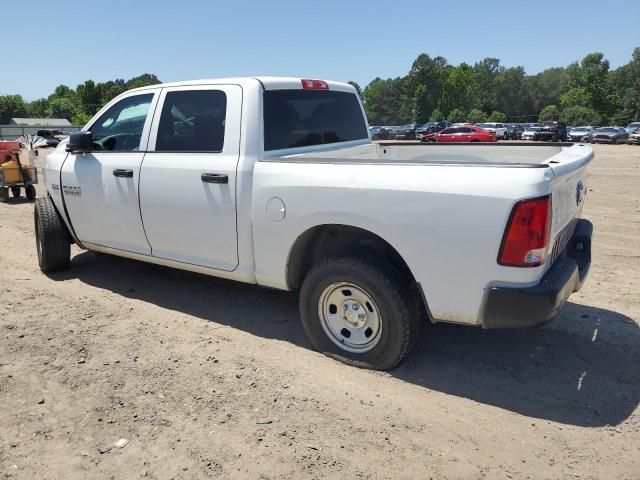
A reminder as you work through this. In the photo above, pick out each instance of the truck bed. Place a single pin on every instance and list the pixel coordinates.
(501, 154)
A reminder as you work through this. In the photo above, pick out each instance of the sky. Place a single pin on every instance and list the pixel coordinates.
(71, 41)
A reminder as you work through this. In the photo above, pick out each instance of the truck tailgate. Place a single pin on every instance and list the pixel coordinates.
(568, 191)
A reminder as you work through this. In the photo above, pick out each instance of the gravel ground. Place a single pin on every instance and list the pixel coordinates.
(205, 378)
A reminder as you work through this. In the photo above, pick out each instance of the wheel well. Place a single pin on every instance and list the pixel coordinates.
(326, 241)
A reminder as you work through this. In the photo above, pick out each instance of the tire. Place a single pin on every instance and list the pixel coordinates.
(52, 239)
(386, 299)
(4, 194)
(30, 192)
(15, 191)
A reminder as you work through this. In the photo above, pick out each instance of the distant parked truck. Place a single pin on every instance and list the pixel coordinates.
(552, 131)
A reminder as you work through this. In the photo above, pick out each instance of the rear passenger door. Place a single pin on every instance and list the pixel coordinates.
(188, 176)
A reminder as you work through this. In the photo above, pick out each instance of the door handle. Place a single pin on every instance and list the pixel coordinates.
(214, 178)
(123, 172)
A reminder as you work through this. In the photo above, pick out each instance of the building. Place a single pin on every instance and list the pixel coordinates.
(40, 122)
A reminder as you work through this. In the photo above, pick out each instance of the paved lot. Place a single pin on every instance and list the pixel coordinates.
(208, 378)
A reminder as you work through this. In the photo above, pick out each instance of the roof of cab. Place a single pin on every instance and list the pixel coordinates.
(268, 83)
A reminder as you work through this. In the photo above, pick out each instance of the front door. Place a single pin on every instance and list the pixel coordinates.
(101, 188)
(188, 176)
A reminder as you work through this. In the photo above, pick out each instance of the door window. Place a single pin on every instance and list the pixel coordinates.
(119, 129)
(192, 121)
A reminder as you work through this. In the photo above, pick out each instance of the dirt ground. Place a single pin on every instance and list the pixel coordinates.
(212, 379)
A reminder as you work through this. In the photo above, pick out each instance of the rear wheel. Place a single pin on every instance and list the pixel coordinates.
(15, 191)
(362, 313)
(4, 194)
(52, 238)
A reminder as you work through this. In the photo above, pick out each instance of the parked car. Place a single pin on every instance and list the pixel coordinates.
(580, 134)
(275, 181)
(530, 132)
(633, 127)
(498, 128)
(406, 132)
(514, 131)
(612, 135)
(49, 136)
(634, 137)
(465, 134)
(380, 133)
(428, 130)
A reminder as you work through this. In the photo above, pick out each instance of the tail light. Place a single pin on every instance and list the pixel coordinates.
(314, 85)
(526, 238)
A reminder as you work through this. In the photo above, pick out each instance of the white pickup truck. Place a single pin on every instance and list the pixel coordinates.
(275, 181)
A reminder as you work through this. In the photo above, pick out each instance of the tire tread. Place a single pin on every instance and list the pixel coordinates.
(56, 248)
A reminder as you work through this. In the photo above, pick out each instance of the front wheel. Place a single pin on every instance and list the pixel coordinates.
(362, 313)
(52, 239)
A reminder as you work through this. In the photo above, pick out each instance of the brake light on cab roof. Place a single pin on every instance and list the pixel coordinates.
(314, 84)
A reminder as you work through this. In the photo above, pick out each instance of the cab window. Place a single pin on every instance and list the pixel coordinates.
(119, 129)
(192, 121)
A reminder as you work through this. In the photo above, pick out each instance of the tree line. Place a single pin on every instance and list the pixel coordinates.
(583, 93)
(76, 105)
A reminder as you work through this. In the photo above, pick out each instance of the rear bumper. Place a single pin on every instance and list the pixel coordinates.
(509, 307)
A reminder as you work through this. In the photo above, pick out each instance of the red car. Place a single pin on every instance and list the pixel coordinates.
(465, 134)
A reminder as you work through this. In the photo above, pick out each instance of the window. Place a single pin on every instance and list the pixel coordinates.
(192, 121)
(299, 118)
(465, 130)
(119, 129)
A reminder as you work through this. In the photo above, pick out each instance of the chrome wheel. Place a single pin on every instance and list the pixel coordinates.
(350, 317)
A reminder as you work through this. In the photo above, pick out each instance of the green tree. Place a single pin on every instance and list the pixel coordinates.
(497, 117)
(384, 102)
(512, 96)
(576, 97)
(546, 87)
(11, 106)
(90, 97)
(38, 108)
(550, 112)
(431, 72)
(62, 107)
(459, 89)
(436, 116)
(476, 116)
(356, 86)
(456, 115)
(420, 104)
(486, 72)
(143, 80)
(579, 115)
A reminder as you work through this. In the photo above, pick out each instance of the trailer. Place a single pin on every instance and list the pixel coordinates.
(14, 176)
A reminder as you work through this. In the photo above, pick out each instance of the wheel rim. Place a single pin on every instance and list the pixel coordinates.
(350, 317)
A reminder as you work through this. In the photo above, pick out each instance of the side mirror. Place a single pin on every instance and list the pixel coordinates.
(80, 142)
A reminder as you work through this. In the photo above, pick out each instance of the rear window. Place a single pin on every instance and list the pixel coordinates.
(299, 118)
